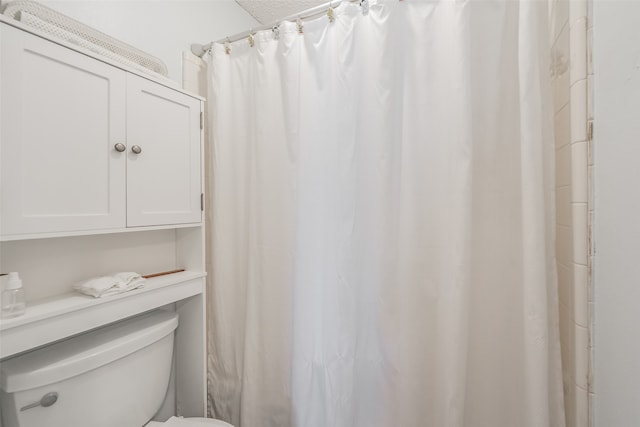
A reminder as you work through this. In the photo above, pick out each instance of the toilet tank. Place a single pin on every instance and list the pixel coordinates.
(114, 376)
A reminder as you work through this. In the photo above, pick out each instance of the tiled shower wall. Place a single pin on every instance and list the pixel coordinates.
(569, 70)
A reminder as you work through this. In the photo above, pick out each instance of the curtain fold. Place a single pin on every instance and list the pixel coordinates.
(382, 221)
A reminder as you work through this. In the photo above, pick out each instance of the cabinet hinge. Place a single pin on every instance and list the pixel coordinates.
(201, 120)
(202, 201)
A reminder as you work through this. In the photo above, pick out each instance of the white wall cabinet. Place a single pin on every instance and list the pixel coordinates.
(65, 116)
(61, 113)
(163, 180)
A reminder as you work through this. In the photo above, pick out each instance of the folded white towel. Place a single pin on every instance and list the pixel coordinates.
(117, 283)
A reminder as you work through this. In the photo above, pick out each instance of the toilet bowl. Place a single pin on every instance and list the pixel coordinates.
(117, 375)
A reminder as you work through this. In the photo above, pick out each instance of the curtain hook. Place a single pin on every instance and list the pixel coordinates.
(299, 24)
(227, 46)
(276, 32)
(330, 13)
(364, 4)
(250, 38)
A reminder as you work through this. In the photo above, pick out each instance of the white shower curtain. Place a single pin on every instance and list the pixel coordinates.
(382, 212)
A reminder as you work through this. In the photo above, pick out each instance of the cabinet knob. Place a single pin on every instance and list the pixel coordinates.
(136, 149)
(120, 147)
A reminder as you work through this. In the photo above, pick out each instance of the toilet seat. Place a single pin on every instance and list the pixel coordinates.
(189, 422)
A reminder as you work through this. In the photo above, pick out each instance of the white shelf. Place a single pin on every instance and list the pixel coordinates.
(10, 238)
(71, 314)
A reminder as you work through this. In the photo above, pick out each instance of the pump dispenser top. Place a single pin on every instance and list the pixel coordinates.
(13, 281)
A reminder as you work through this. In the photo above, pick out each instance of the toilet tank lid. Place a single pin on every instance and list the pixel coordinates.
(85, 352)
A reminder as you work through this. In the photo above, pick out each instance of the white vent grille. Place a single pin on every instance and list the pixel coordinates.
(56, 24)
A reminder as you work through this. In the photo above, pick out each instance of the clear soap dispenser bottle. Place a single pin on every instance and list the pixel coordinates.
(13, 302)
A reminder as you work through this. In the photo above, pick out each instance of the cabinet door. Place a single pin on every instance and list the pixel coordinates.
(61, 114)
(163, 180)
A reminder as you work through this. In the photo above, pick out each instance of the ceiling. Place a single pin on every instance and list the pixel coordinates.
(269, 11)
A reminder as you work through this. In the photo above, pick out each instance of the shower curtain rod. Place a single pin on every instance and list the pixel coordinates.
(199, 49)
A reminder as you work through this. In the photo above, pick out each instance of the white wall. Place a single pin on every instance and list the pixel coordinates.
(616, 91)
(161, 28)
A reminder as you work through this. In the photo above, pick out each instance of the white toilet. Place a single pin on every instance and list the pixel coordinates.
(116, 376)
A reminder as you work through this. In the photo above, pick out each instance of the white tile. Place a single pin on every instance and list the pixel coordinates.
(566, 346)
(590, 51)
(581, 295)
(579, 111)
(560, 16)
(552, 20)
(564, 245)
(570, 407)
(582, 356)
(592, 333)
(590, 203)
(591, 359)
(565, 290)
(562, 126)
(590, 245)
(578, 49)
(577, 10)
(560, 68)
(561, 85)
(582, 407)
(563, 206)
(563, 166)
(589, 97)
(579, 172)
(551, 15)
(579, 227)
